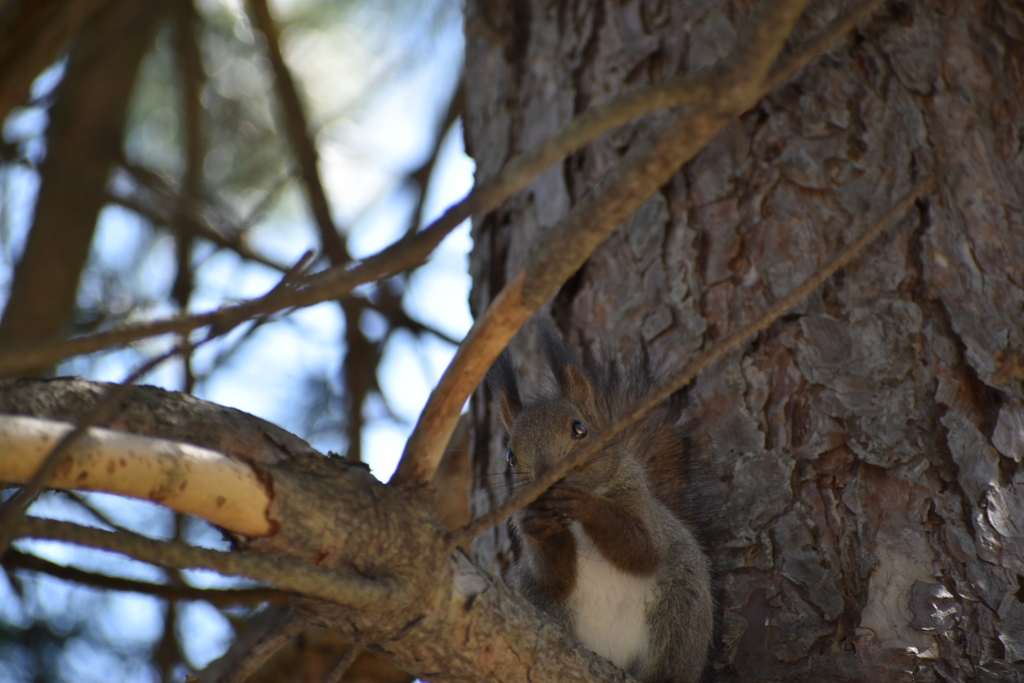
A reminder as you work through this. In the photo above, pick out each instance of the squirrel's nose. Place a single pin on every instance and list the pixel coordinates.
(541, 469)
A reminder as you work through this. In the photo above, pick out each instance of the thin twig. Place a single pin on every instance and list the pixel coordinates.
(314, 289)
(343, 665)
(293, 577)
(90, 509)
(168, 650)
(287, 282)
(276, 637)
(389, 305)
(721, 348)
(223, 354)
(160, 216)
(294, 274)
(218, 597)
(220, 321)
(421, 176)
(190, 65)
(297, 129)
(268, 197)
(162, 194)
(791, 63)
(203, 482)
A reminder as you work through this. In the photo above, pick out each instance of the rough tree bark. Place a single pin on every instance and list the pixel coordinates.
(863, 479)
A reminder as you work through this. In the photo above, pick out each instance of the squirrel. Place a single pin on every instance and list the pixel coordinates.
(605, 551)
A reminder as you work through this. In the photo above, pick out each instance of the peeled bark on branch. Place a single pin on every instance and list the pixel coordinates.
(187, 478)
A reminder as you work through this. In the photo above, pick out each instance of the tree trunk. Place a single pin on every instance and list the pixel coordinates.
(863, 478)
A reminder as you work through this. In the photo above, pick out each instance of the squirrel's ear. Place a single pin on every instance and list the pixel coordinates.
(568, 369)
(501, 378)
(577, 388)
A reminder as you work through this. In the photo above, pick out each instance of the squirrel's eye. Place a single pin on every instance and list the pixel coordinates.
(511, 458)
(578, 430)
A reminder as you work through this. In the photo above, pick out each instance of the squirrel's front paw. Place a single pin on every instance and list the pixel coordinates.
(568, 502)
(539, 523)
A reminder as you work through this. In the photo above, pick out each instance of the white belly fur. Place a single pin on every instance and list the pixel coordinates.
(609, 605)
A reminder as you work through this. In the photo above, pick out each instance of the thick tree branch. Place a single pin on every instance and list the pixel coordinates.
(151, 411)
(499, 323)
(103, 412)
(724, 346)
(187, 478)
(735, 86)
(356, 592)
